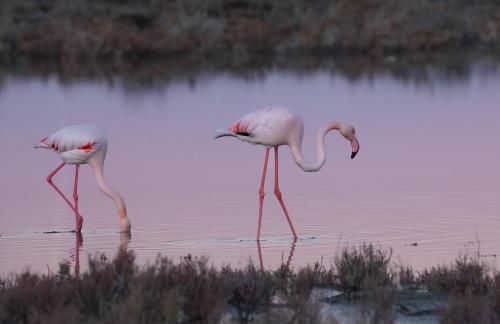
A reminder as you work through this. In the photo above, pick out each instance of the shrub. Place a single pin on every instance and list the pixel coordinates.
(361, 269)
(252, 290)
(467, 276)
(407, 278)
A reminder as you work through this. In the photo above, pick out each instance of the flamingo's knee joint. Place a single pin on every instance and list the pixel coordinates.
(277, 192)
(262, 194)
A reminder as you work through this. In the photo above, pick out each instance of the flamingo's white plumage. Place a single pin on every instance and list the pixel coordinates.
(83, 144)
(275, 126)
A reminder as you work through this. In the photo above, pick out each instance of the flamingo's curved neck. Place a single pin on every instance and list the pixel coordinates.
(296, 149)
(106, 189)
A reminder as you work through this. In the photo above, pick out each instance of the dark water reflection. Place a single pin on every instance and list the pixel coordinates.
(424, 69)
(426, 182)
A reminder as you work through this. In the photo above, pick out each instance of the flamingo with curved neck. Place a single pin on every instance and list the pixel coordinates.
(83, 144)
(275, 126)
(296, 148)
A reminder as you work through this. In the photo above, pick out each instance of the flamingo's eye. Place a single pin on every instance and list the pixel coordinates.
(243, 133)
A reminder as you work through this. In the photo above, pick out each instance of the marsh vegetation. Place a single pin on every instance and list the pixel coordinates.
(90, 28)
(191, 291)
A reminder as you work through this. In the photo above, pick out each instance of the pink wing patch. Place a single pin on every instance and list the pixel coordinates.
(87, 147)
(239, 127)
(235, 128)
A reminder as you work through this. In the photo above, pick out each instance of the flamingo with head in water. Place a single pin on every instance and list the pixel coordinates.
(275, 126)
(83, 144)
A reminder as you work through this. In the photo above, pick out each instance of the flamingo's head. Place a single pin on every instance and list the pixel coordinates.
(349, 132)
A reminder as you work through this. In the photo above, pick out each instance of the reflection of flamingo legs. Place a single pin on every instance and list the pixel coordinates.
(260, 256)
(292, 251)
(288, 261)
(76, 255)
(124, 241)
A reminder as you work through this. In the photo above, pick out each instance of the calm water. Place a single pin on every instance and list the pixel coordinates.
(426, 181)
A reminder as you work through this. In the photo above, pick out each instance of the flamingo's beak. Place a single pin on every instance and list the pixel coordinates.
(221, 133)
(40, 145)
(355, 147)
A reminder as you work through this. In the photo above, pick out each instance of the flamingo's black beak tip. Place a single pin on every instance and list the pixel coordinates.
(353, 154)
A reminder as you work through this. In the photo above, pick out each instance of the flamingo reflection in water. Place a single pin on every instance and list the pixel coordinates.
(75, 253)
(74, 256)
(288, 261)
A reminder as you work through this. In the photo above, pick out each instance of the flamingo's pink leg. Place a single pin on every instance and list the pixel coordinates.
(277, 192)
(49, 180)
(78, 217)
(261, 193)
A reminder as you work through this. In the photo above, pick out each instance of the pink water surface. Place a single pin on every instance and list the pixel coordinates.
(426, 181)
